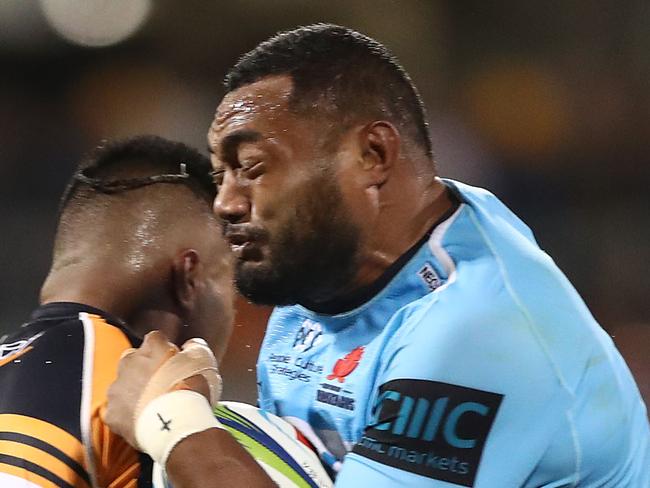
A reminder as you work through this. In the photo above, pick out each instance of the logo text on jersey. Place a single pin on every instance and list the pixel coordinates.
(335, 396)
(430, 428)
(429, 276)
(308, 335)
(300, 368)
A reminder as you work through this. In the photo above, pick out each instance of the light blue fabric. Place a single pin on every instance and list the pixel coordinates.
(486, 331)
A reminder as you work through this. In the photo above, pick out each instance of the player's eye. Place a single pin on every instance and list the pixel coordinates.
(217, 176)
(252, 169)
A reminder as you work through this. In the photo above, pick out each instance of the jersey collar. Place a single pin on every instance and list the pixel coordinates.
(63, 310)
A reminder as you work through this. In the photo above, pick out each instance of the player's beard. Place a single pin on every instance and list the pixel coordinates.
(311, 258)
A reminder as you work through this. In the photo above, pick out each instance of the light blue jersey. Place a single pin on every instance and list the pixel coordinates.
(477, 364)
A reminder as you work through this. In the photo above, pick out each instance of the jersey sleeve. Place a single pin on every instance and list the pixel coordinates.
(53, 389)
(464, 396)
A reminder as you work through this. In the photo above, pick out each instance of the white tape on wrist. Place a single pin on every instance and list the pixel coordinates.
(169, 419)
(195, 359)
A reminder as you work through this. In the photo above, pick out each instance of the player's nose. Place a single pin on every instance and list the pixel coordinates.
(232, 204)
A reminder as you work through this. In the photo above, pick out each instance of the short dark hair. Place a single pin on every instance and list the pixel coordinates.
(103, 170)
(355, 74)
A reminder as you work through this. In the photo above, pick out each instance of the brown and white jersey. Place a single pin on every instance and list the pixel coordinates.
(54, 375)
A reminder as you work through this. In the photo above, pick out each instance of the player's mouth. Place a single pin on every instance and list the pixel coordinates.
(247, 251)
(245, 243)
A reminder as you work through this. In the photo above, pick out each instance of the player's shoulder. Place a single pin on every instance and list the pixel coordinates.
(475, 295)
(475, 331)
(54, 339)
(57, 337)
(58, 367)
(488, 236)
(503, 284)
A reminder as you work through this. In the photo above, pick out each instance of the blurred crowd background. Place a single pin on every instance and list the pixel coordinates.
(545, 103)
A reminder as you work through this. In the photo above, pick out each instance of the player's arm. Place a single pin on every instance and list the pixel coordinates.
(213, 458)
(176, 427)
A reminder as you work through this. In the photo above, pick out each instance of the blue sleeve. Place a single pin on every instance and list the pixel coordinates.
(465, 396)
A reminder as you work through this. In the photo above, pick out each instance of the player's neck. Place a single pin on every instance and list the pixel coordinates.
(413, 219)
(111, 291)
(409, 214)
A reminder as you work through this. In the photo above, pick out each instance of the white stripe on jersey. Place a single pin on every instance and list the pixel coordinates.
(87, 395)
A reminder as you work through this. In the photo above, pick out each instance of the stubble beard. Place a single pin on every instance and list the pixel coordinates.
(310, 259)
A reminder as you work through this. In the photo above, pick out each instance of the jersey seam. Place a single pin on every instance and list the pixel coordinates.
(576, 446)
(518, 303)
(533, 326)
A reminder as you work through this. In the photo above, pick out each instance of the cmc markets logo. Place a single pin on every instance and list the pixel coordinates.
(430, 428)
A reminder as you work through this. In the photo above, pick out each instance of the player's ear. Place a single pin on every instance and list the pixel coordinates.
(185, 278)
(380, 145)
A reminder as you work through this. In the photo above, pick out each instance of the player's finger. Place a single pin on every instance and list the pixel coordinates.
(128, 352)
(156, 346)
(153, 339)
(195, 341)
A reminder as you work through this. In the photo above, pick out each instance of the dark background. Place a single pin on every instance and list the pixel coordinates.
(545, 103)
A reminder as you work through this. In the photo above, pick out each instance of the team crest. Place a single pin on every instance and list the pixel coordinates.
(339, 396)
(346, 365)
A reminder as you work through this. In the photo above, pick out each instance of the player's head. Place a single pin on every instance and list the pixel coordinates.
(310, 134)
(341, 77)
(136, 234)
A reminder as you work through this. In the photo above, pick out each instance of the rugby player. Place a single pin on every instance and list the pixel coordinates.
(137, 244)
(421, 337)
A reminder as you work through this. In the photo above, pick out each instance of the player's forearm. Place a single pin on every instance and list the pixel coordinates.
(213, 458)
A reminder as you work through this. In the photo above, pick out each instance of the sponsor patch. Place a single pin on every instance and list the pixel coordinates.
(430, 428)
(300, 368)
(335, 396)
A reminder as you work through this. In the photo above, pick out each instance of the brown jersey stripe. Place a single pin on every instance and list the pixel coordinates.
(50, 449)
(33, 461)
(23, 474)
(42, 459)
(46, 432)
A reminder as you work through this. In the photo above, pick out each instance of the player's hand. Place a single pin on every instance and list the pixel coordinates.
(156, 368)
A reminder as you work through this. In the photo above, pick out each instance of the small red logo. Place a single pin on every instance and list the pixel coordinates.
(345, 366)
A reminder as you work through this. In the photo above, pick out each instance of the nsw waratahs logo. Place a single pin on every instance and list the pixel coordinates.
(346, 365)
(339, 396)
